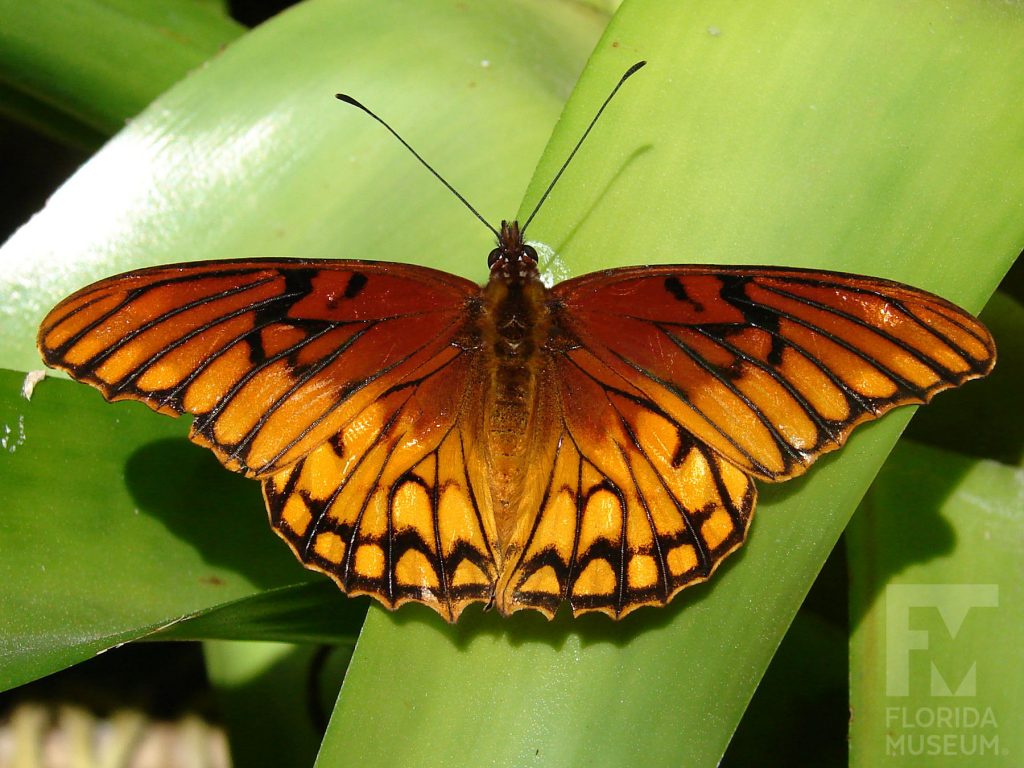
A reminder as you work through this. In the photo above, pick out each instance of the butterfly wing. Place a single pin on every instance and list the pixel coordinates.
(771, 367)
(346, 388)
(271, 357)
(338, 383)
(630, 509)
(389, 506)
(669, 387)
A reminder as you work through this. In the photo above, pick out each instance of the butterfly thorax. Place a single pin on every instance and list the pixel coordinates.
(514, 326)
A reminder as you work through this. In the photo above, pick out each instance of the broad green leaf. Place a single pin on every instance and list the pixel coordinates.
(253, 156)
(777, 133)
(806, 682)
(938, 610)
(47, 120)
(113, 525)
(934, 518)
(831, 135)
(78, 69)
(302, 613)
(96, 548)
(985, 420)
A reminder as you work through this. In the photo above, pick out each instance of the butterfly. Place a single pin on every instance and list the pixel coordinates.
(421, 438)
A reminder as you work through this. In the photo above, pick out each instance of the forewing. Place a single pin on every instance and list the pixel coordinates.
(271, 357)
(626, 508)
(770, 367)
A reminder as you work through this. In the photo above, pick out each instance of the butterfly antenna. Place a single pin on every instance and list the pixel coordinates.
(349, 100)
(629, 73)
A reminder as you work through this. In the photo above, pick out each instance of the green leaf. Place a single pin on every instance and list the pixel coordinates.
(79, 68)
(115, 526)
(302, 613)
(937, 604)
(932, 519)
(806, 682)
(253, 156)
(832, 136)
(97, 548)
(48, 120)
(272, 683)
(955, 422)
(829, 136)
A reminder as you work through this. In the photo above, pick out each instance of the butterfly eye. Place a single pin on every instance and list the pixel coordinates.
(530, 253)
(493, 256)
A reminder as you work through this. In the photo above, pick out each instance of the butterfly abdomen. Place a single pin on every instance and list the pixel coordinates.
(513, 329)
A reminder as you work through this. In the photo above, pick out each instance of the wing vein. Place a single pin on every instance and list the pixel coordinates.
(819, 421)
(936, 367)
(473, 500)
(702, 553)
(655, 540)
(877, 365)
(339, 489)
(338, 403)
(699, 359)
(549, 483)
(174, 312)
(141, 368)
(435, 516)
(682, 397)
(204, 421)
(301, 382)
(365, 503)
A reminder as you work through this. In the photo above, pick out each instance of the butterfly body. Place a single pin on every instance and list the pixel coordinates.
(421, 438)
(514, 327)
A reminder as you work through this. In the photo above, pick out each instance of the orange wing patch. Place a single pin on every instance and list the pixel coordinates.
(387, 507)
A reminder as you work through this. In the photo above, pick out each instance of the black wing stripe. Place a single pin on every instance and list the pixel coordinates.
(768, 424)
(571, 572)
(145, 365)
(854, 350)
(545, 498)
(307, 376)
(620, 592)
(351, 391)
(180, 390)
(941, 371)
(954, 320)
(170, 314)
(663, 575)
(435, 520)
(472, 498)
(351, 548)
(937, 308)
(820, 422)
(683, 398)
(853, 397)
(326, 505)
(205, 422)
(702, 554)
(130, 296)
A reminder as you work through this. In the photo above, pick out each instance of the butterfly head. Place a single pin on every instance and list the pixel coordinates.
(512, 257)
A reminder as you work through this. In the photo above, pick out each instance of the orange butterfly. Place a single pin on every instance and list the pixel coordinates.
(420, 438)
